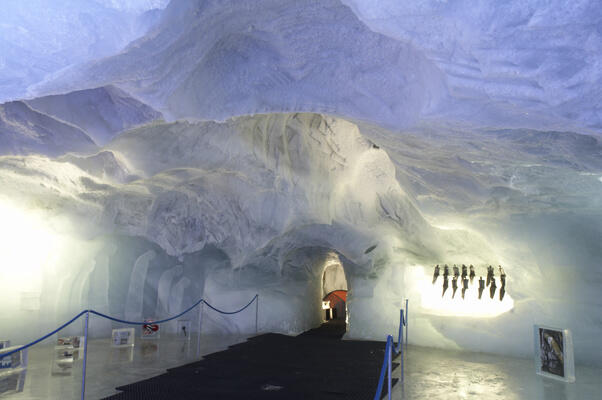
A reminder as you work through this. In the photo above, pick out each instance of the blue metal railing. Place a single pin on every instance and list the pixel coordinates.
(88, 312)
(391, 348)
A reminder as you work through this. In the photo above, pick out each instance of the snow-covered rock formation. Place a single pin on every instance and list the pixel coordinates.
(101, 112)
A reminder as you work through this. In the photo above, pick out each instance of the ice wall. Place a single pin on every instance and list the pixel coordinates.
(282, 195)
(217, 59)
(39, 38)
(517, 64)
(445, 167)
(265, 188)
(504, 62)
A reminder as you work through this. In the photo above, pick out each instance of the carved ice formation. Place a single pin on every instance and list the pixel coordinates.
(521, 63)
(261, 203)
(38, 38)
(220, 59)
(102, 112)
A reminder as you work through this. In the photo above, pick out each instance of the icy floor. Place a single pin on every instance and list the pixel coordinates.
(442, 374)
(429, 373)
(111, 367)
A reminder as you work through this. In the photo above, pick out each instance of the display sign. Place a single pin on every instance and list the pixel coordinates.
(63, 360)
(123, 337)
(11, 383)
(74, 342)
(14, 361)
(150, 330)
(6, 361)
(67, 350)
(554, 353)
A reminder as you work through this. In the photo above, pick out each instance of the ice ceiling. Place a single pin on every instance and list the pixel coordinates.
(224, 148)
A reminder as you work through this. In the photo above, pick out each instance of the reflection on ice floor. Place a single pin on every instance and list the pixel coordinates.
(449, 375)
(109, 367)
(429, 373)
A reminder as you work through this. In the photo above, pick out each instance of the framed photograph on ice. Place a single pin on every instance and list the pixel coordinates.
(13, 362)
(554, 353)
(122, 337)
(11, 383)
(63, 361)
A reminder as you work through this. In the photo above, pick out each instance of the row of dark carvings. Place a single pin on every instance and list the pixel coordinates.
(467, 276)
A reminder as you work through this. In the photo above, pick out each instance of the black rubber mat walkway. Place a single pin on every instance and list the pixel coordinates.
(313, 365)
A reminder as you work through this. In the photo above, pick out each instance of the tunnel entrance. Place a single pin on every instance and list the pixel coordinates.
(334, 291)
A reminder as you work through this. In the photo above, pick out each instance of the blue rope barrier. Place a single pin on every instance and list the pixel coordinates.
(7, 354)
(123, 321)
(389, 348)
(381, 379)
(45, 336)
(233, 312)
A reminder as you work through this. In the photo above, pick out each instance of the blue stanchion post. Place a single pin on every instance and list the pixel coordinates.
(198, 344)
(256, 313)
(390, 371)
(402, 322)
(86, 323)
(387, 362)
(88, 312)
(406, 323)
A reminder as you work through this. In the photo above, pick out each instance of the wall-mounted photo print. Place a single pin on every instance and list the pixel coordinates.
(554, 353)
(122, 337)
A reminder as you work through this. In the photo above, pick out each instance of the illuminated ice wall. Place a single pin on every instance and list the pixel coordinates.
(228, 152)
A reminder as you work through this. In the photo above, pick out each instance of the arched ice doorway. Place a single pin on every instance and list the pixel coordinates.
(334, 291)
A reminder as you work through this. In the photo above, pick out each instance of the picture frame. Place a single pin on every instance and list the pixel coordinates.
(123, 337)
(71, 342)
(13, 362)
(554, 356)
(12, 383)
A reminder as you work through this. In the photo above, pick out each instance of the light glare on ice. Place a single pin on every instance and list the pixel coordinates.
(470, 306)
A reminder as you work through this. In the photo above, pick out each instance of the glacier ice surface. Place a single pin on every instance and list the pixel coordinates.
(446, 132)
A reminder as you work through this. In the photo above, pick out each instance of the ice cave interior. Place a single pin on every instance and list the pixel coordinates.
(156, 152)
